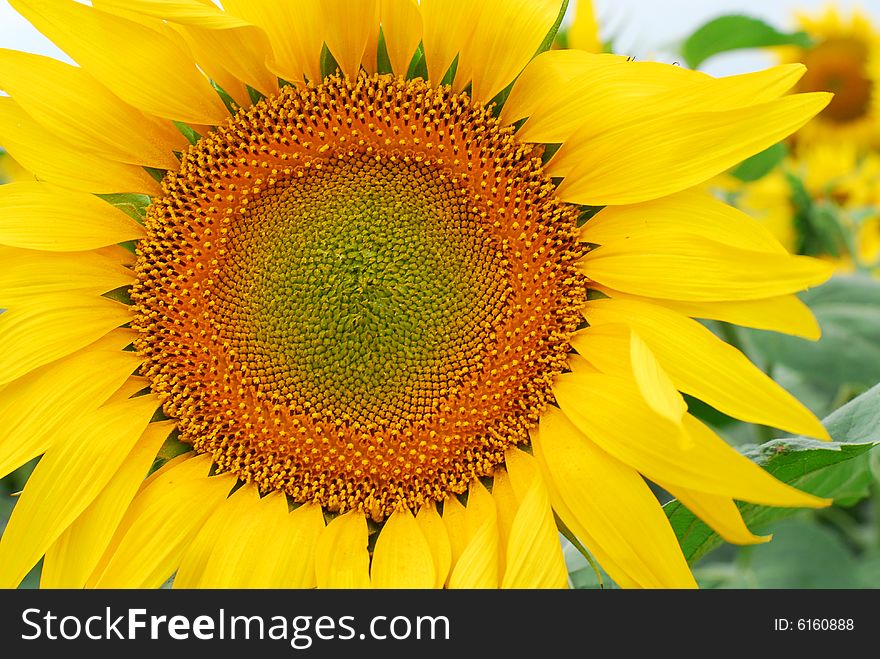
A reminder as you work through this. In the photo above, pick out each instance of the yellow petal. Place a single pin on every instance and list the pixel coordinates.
(296, 568)
(211, 34)
(653, 382)
(694, 268)
(342, 559)
(251, 542)
(534, 554)
(66, 480)
(349, 25)
(456, 528)
(211, 47)
(197, 13)
(551, 90)
(784, 313)
(133, 385)
(691, 213)
(56, 161)
(81, 111)
(493, 57)
(615, 349)
(214, 557)
(438, 539)
(578, 364)
(668, 153)
(139, 64)
(402, 29)
(38, 216)
(277, 552)
(613, 502)
(702, 365)
(477, 567)
(72, 558)
(447, 28)
(402, 557)
(39, 408)
(720, 513)
(296, 34)
(624, 93)
(571, 521)
(161, 521)
(51, 327)
(609, 410)
(506, 505)
(28, 274)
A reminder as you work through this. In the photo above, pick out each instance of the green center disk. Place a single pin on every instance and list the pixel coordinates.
(365, 288)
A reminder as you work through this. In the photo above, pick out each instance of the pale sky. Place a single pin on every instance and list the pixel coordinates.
(643, 28)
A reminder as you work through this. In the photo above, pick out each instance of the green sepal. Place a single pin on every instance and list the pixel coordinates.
(547, 43)
(156, 173)
(170, 449)
(587, 214)
(132, 204)
(187, 131)
(228, 101)
(449, 76)
(121, 294)
(257, 96)
(418, 68)
(329, 65)
(383, 62)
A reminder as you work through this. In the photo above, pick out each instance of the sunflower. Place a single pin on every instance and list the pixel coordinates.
(385, 318)
(823, 200)
(844, 58)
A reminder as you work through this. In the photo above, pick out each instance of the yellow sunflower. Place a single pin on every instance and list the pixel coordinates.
(844, 58)
(389, 335)
(823, 201)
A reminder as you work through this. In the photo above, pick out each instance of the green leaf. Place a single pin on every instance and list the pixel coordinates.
(838, 470)
(848, 310)
(760, 164)
(803, 554)
(735, 32)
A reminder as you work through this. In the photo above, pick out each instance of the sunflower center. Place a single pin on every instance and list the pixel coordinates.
(359, 287)
(839, 66)
(357, 293)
